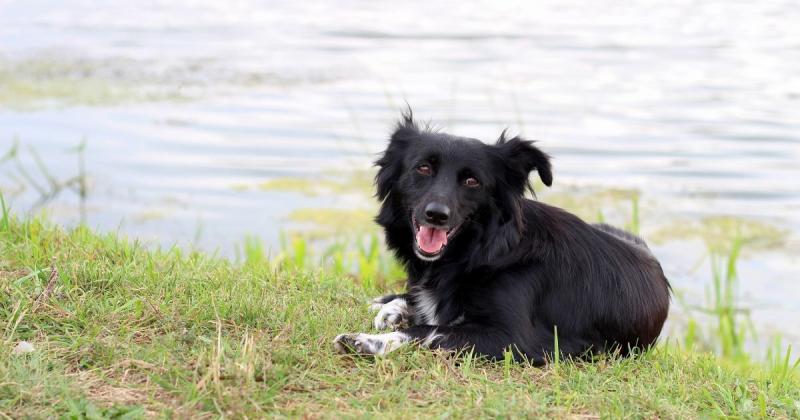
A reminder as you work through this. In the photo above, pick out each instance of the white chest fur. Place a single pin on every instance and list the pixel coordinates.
(425, 305)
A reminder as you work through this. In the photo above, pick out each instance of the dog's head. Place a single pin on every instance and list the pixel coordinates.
(446, 184)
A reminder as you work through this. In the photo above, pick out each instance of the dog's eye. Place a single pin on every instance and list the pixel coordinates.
(424, 170)
(472, 182)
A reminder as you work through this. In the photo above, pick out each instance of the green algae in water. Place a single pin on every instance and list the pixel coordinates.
(296, 185)
(720, 232)
(41, 82)
(149, 216)
(591, 204)
(331, 182)
(327, 223)
(57, 79)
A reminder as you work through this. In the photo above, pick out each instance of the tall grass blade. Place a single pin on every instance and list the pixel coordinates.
(4, 226)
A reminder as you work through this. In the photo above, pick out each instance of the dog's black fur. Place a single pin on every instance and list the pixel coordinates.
(515, 271)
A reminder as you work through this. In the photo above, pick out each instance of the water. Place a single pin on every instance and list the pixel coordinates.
(186, 106)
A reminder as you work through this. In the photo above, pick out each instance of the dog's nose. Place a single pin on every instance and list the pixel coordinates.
(437, 213)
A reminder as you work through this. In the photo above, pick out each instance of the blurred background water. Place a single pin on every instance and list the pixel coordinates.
(187, 109)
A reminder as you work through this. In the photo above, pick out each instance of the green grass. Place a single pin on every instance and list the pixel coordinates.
(128, 332)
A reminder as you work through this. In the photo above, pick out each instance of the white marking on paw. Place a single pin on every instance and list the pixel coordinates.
(375, 344)
(376, 304)
(425, 306)
(392, 315)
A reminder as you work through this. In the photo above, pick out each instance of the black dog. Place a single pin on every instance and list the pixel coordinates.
(490, 270)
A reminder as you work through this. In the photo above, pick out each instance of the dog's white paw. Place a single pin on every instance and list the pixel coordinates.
(391, 315)
(369, 344)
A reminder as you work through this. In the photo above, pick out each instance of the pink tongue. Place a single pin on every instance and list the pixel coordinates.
(431, 240)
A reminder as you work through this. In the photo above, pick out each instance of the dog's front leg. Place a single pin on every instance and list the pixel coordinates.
(370, 344)
(392, 312)
(381, 344)
(484, 340)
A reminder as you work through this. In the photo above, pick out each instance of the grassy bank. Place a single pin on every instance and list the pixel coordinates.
(120, 331)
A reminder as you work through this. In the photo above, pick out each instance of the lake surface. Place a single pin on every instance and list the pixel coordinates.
(187, 107)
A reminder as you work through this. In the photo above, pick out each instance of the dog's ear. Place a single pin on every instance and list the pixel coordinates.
(519, 157)
(515, 159)
(390, 164)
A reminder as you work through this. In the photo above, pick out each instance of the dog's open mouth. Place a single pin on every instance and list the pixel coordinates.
(431, 241)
